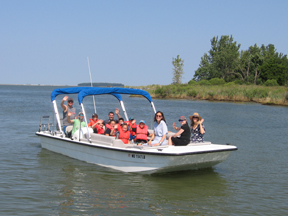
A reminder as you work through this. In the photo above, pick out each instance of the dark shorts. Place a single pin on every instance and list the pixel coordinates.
(179, 142)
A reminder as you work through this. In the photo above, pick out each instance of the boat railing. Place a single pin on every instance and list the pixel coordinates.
(45, 127)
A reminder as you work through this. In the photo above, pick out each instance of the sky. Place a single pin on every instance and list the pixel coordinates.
(129, 41)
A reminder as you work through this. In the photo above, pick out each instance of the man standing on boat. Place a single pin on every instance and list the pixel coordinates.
(111, 116)
(66, 110)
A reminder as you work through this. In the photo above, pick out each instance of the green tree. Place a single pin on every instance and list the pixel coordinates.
(275, 65)
(222, 60)
(178, 64)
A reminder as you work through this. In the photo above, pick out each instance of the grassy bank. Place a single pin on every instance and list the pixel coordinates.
(276, 95)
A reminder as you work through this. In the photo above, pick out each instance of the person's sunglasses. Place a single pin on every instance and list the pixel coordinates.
(81, 115)
(70, 101)
(181, 120)
(158, 115)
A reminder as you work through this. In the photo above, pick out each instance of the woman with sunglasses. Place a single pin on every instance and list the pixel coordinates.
(76, 122)
(197, 128)
(183, 132)
(160, 131)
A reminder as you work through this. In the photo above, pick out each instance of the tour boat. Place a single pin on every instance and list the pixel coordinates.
(107, 151)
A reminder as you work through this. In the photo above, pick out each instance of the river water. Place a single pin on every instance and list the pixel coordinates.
(252, 181)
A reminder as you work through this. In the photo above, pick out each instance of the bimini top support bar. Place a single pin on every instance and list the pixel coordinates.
(98, 91)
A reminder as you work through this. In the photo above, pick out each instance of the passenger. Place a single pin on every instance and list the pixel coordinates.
(160, 131)
(183, 132)
(131, 125)
(124, 134)
(99, 128)
(94, 121)
(141, 132)
(109, 128)
(120, 121)
(66, 110)
(111, 116)
(76, 122)
(197, 128)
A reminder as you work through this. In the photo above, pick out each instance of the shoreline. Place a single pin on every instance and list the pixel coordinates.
(265, 95)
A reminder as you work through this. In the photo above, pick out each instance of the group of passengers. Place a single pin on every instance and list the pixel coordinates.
(129, 131)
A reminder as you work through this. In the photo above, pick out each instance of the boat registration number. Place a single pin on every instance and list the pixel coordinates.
(138, 156)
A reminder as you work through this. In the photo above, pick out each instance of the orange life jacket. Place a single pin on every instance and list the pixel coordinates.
(133, 126)
(141, 133)
(99, 130)
(109, 126)
(124, 136)
(92, 122)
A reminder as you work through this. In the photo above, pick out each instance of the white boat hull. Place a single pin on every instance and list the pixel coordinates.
(138, 160)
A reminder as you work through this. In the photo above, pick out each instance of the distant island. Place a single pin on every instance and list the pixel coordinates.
(102, 84)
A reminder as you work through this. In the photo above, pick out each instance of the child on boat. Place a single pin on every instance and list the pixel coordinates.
(109, 127)
(94, 123)
(124, 134)
(141, 131)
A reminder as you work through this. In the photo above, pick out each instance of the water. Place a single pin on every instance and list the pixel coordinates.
(252, 181)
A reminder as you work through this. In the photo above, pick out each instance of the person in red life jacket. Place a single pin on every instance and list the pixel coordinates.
(99, 128)
(141, 132)
(124, 134)
(94, 121)
(131, 125)
(109, 127)
(120, 121)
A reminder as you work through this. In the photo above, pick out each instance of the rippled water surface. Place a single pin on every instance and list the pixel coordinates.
(252, 181)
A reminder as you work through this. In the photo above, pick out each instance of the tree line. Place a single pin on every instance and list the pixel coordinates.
(225, 61)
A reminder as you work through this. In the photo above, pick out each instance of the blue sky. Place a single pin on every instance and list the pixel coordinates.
(130, 42)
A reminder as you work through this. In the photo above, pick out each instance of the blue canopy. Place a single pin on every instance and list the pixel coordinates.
(97, 91)
(75, 90)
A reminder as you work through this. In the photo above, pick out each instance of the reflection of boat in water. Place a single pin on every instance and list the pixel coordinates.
(110, 152)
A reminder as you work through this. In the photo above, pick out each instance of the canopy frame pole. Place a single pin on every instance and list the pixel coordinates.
(56, 112)
(152, 104)
(83, 110)
(124, 110)
(91, 84)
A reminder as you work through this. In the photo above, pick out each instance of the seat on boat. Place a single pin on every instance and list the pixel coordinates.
(101, 139)
(119, 143)
(198, 143)
(68, 130)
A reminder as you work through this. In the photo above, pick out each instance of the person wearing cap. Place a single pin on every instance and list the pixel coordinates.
(182, 137)
(111, 116)
(141, 131)
(77, 123)
(197, 128)
(94, 123)
(66, 110)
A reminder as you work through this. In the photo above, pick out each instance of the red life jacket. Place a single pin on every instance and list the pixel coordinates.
(99, 130)
(92, 122)
(124, 136)
(133, 126)
(109, 126)
(141, 133)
